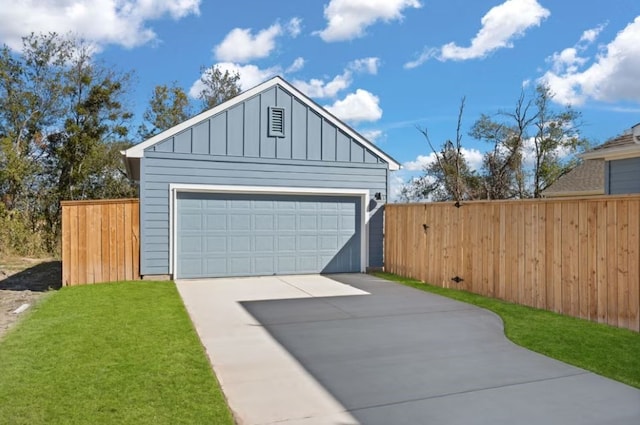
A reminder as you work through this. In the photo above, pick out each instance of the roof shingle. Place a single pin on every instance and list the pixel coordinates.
(587, 178)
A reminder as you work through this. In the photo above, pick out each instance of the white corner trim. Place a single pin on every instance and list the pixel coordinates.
(175, 188)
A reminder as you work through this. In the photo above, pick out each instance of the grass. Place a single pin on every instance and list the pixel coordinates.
(121, 353)
(603, 349)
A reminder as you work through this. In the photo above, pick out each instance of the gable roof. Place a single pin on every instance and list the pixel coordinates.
(585, 179)
(626, 145)
(137, 151)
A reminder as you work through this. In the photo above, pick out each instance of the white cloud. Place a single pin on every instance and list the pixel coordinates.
(568, 60)
(240, 45)
(500, 26)
(348, 19)
(294, 27)
(250, 76)
(420, 163)
(590, 35)
(396, 183)
(612, 75)
(368, 65)
(321, 88)
(473, 157)
(357, 107)
(296, 66)
(529, 153)
(372, 135)
(427, 53)
(99, 22)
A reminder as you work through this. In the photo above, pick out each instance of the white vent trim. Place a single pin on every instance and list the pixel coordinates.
(277, 121)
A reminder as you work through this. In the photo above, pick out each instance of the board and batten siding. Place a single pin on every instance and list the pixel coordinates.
(623, 176)
(233, 148)
(241, 131)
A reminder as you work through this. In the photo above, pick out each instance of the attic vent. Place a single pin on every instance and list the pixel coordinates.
(276, 122)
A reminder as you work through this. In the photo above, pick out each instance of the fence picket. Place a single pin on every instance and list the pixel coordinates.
(100, 241)
(576, 256)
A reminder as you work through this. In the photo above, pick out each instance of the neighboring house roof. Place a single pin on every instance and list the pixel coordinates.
(133, 154)
(624, 146)
(585, 179)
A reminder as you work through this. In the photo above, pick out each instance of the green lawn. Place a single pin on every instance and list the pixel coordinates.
(603, 349)
(120, 353)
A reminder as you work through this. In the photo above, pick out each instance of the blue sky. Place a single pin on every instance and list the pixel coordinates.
(384, 66)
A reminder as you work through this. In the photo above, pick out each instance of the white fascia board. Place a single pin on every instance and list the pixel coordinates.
(137, 151)
(624, 152)
(174, 188)
(266, 189)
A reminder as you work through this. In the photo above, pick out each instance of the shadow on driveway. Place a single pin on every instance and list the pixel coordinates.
(403, 356)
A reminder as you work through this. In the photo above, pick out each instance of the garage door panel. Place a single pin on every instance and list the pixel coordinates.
(305, 263)
(329, 222)
(308, 222)
(242, 235)
(285, 206)
(287, 243)
(240, 222)
(286, 222)
(215, 221)
(215, 266)
(265, 244)
(191, 221)
(328, 242)
(239, 265)
(216, 244)
(237, 204)
(307, 243)
(240, 244)
(264, 265)
(191, 244)
(264, 222)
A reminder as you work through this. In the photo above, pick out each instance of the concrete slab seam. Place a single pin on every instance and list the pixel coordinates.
(475, 390)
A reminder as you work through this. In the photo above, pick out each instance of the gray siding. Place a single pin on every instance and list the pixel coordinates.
(161, 168)
(241, 131)
(623, 176)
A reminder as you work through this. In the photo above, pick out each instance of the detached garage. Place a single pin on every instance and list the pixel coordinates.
(266, 183)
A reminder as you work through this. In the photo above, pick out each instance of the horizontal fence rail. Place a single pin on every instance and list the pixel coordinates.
(100, 241)
(576, 256)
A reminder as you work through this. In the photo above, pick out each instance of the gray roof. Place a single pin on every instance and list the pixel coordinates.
(626, 145)
(585, 179)
(617, 142)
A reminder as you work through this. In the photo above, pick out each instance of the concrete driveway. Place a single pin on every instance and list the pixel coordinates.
(355, 349)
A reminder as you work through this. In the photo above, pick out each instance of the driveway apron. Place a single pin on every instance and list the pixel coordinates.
(355, 349)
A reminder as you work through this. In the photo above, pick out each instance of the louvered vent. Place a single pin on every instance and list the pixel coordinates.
(276, 122)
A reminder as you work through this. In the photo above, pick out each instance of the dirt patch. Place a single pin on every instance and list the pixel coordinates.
(25, 281)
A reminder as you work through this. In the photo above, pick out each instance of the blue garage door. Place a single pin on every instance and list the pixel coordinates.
(251, 235)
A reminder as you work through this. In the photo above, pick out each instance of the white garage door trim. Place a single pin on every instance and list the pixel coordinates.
(175, 188)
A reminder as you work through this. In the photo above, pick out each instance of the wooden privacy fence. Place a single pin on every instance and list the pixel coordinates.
(100, 241)
(578, 257)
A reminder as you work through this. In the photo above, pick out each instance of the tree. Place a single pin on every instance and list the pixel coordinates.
(30, 104)
(83, 156)
(532, 146)
(217, 86)
(502, 164)
(556, 135)
(62, 124)
(447, 178)
(168, 106)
